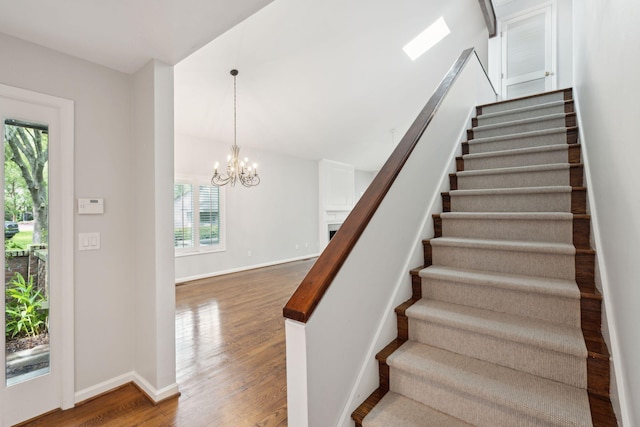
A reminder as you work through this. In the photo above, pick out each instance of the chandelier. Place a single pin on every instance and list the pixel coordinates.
(237, 170)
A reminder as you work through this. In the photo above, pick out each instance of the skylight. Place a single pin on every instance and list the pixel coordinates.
(427, 39)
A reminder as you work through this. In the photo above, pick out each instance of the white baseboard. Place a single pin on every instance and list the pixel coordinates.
(103, 387)
(130, 377)
(243, 268)
(153, 393)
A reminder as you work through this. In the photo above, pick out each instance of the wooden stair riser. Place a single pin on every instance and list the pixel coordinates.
(545, 363)
(557, 309)
(571, 176)
(559, 95)
(567, 120)
(591, 312)
(541, 110)
(585, 270)
(568, 136)
(602, 412)
(560, 266)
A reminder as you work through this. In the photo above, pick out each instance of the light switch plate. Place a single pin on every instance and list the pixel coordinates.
(88, 241)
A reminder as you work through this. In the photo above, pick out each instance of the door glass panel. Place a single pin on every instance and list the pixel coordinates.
(530, 87)
(26, 232)
(526, 46)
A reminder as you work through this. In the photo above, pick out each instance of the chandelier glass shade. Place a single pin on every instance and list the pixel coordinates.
(237, 170)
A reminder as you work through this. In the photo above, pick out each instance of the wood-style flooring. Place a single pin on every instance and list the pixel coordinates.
(230, 356)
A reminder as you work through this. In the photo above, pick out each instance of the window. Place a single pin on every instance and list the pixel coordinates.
(198, 222)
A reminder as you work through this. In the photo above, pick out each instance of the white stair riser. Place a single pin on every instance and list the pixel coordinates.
(528, 159)
(526, 202)
(471, 409)
(517, 142)
(519, 128)
(551, 308)
(520, 115)
(552, 231)
(551, 265)
(526, 102)
(514, 179)
(561, 367)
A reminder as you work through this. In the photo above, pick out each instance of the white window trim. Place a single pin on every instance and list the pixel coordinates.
(195, 181)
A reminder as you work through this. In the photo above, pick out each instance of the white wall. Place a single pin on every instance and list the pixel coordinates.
(564, 55)
(103, 168)
(154, 294)
(363, 179)
(276, 221)
(107, 280)
(606, 69)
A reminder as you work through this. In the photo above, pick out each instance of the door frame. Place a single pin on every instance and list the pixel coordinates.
(64, 247)
(495, 54)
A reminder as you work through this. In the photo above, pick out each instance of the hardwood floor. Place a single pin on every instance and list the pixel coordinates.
(230, 356)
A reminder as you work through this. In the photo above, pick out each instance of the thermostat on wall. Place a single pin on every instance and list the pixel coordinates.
(90, 206)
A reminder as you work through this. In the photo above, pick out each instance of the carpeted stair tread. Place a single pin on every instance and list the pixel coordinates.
(521, 102)
(399, 411)
(535, 216)
(546, 335)
(518, 199)
(517, 176)
(505, 245)
(520, 122)
(546, 299)
(515, 190)
(549, 286)
(532, 110)
(528, 156)
(509, 137)
(516, 151)
(515, 169)
(551, 402)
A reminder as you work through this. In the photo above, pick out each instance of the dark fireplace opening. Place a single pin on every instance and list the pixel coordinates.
(333, 229)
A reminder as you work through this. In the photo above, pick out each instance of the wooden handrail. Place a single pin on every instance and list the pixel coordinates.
(315, 284)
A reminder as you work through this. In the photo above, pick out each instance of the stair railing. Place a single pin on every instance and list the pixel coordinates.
(315, 284)
(346, 331)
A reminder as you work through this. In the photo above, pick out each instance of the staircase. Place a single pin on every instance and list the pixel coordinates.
(503, 327)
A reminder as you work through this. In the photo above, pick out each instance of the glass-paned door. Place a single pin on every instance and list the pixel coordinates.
(38, 261)
(527, 54)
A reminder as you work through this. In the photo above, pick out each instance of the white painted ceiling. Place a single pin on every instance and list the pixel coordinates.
(318, 79)
(123, 34)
